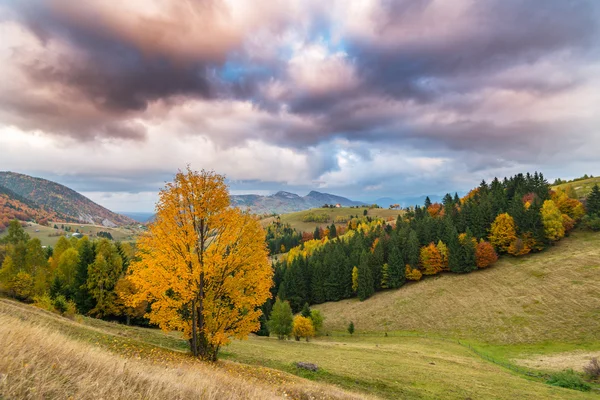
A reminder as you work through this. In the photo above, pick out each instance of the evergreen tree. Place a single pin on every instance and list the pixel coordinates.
(592, 202)
(366, 286)
(385, 276)
(351, 328)
(412, 250)
(427, 202)
(453, 245)
(317, 233)
(467, 260)
(305, 311)
(319, 274)
(396, 269)
(332, 231)
(376, 261)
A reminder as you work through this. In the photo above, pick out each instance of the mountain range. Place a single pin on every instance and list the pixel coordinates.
(40, 198)
(285, 202)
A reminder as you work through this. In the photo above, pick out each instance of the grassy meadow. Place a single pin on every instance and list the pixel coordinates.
(49, 236)
(296, 219)
(48, 356)
(492, 334)
(582, 187)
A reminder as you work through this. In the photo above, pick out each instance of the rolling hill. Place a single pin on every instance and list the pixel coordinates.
(61, 200)
(582, 187)
(547, 297)
(13, 206)
(286, 202)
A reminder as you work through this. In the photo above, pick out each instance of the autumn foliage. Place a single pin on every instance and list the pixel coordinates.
(485, 255)
(203, 265)
(413, 274)
(431, 260)
(503, 232)
(303, 328)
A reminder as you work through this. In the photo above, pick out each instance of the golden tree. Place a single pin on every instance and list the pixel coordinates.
(431, 260)
(552, 220)
(503, 232)
(202, 265)
(303, 327)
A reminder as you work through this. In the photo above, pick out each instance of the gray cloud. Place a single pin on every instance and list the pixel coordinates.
(488, 87)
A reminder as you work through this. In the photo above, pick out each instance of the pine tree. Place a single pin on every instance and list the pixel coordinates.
(412, 249)
(385, 276)
(592, 202)
(317, 233)
(467, 262)
(82, 297)
(376, 261)
(453, 245)
(365, 279)
(427, 202)
(332, 231)
(396, 269)
(351, 328)
(305, 311)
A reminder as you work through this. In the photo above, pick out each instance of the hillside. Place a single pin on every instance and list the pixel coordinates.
(54, 357)
(553, 296)
(13, 206)
(286, 202)
(582, 187)
(47, 356)
(296, 219)
(61, 200)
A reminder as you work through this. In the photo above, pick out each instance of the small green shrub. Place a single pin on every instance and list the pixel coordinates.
(592, 222)
(60, 304)
(570, 380)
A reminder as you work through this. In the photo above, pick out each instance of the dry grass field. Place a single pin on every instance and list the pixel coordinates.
(44, 356)
(541, 312)
(549, 296)
(47, 356)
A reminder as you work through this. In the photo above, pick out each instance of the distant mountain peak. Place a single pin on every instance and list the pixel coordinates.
(287, 195)
(285, 202)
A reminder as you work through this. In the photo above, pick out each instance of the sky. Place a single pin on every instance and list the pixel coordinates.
(364, 98)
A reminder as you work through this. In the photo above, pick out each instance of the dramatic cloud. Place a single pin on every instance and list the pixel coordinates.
(363, 98)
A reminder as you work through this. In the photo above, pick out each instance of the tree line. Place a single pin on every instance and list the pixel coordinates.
(515, 216)
(77, 275)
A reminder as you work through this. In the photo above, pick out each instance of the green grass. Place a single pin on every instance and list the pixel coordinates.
(389, 367)
(582, 187)
(48, 235)
(449, 336)
(295, 219)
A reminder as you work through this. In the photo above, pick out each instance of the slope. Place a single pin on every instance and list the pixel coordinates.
(13, 206)
(47, 356)
(61, 199)
(55, 357)
(297, 219)
(552, 297)
(582, 187)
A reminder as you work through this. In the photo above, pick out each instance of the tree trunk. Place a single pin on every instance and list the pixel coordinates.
(194, 340)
